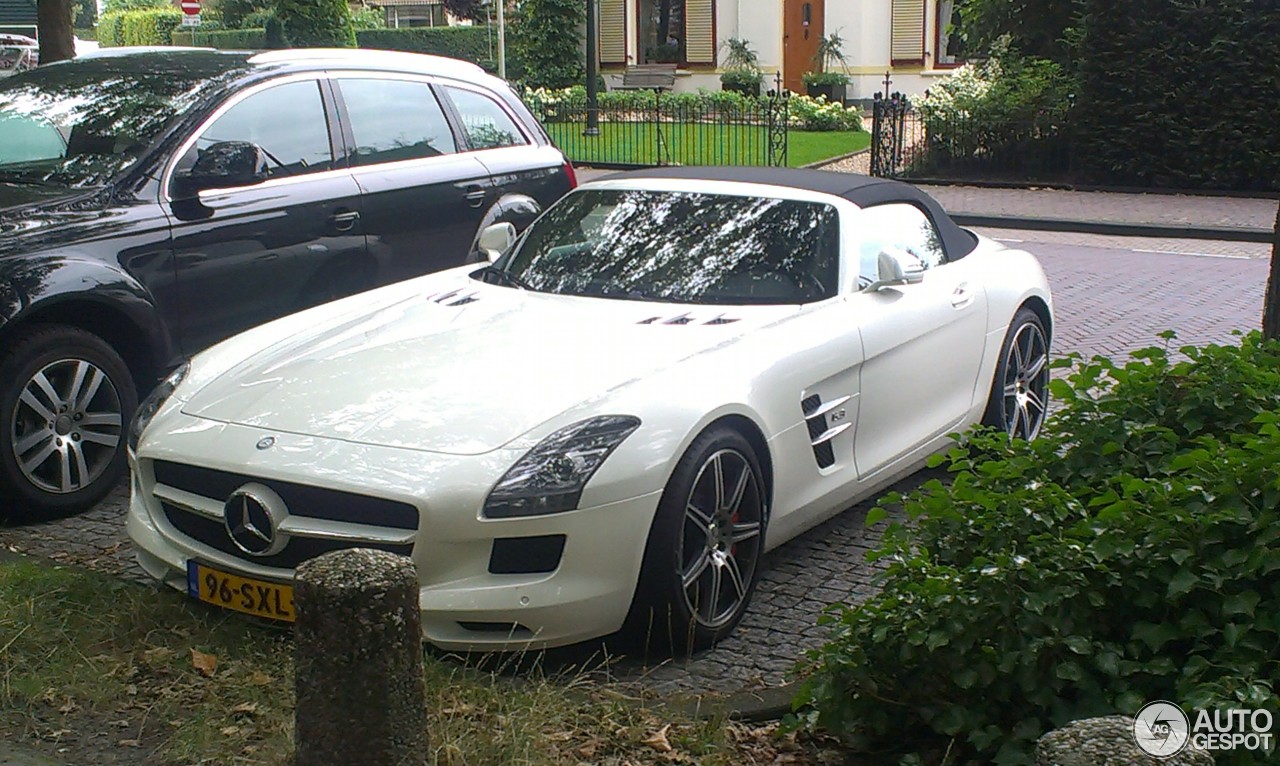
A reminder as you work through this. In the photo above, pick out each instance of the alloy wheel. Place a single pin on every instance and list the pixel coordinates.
(67, 426)
(1026, 382)
(721, 540)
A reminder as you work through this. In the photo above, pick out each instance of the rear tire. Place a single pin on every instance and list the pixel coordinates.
(704, 547)
(1019, 398)
(66, 398)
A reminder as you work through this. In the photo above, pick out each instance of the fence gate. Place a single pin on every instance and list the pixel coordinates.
(888, 131)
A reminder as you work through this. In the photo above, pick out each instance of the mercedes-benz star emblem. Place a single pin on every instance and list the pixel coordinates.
(252, 517)
(266, 442)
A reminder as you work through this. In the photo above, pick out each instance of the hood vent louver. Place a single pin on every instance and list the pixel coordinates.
(820, 431)
(686, 318)
(453, 297)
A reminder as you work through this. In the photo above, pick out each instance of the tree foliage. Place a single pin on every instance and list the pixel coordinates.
(465, 9)
(1040, 28)
(546, 35)
(316, 23)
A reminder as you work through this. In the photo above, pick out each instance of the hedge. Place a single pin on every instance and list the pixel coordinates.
(1195, 106)
(225, 39)
(151, 26)
(466, 43)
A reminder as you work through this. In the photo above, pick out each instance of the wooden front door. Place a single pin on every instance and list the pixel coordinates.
(801, 31)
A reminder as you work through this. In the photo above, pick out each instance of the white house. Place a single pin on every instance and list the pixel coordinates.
(911, 40)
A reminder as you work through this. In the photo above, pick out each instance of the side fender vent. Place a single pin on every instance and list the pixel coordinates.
(821, 432)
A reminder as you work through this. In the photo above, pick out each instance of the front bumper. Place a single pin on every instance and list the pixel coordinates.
(465, 605)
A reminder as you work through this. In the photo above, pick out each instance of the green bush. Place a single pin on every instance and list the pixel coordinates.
(1132, 553)
(109, 29)
(368, 18)
(152, 26)
(1177, 94)
(467, 43)
(226, 39)
(316, 23)
(545, 37)
(256, 19)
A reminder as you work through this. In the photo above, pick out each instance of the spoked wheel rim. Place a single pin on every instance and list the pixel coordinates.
(720, 543)
(66, 426)
(1026, 382)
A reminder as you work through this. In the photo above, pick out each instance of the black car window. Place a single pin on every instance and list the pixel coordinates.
(395, 120)
(682, 247)
(286, 121)
(486, 123)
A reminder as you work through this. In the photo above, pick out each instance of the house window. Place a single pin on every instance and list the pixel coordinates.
(676, 31)
(948, 43)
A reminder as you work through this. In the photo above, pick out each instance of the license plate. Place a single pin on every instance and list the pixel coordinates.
(243, 594)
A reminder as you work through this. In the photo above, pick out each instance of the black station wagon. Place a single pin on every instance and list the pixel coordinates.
(154, 203)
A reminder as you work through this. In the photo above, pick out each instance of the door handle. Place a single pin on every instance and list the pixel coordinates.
(475, 196)
(345, 220)
(962, 296)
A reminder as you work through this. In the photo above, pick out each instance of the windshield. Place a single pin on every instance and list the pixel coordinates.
(682, 247)
(81, 122)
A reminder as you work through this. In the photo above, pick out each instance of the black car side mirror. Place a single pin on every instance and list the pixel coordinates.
(223, 165)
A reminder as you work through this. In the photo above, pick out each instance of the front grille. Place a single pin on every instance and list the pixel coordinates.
(319, 520)
(213, 534)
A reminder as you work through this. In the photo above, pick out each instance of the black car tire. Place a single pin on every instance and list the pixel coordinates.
(1013, 387)
(88, 393)
(664, 615)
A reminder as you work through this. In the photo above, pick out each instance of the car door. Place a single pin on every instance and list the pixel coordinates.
(518, 164)
(922, 343)
(422, 198)
(250, 254)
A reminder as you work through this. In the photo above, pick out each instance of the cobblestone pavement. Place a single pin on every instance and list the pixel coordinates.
(1108, 301)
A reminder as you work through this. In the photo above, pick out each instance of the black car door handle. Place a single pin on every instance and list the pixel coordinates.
(345, 220)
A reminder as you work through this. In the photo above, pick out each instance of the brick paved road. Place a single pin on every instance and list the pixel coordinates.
(1108, 301)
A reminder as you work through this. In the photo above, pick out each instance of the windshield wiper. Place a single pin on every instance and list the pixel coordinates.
(505, 276)
(18, 177)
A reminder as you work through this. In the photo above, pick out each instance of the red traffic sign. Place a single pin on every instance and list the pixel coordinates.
(191, 7)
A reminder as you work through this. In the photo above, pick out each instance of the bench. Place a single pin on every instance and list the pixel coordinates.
(648, 77)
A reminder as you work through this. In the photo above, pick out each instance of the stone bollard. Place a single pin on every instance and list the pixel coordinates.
(358, 656)
(1106, 741)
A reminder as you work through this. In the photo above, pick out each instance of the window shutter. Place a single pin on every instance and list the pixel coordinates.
(700, 31)
(613, 31)
(907, 46)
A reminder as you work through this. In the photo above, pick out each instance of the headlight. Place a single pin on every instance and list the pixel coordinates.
(152, 404)
(550, 477)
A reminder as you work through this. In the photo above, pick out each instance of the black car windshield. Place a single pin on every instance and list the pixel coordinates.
(79, 123)
(682, 247)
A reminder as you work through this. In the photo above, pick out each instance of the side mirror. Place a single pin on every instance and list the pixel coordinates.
(896, 267)
(224, 165)
(496, 240)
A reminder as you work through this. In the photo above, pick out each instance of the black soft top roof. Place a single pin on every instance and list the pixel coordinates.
(863, 191)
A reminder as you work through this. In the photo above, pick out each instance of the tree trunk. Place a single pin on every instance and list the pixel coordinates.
(57, 42)
(1271, 305)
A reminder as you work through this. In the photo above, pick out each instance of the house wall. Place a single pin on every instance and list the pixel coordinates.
(865, 25)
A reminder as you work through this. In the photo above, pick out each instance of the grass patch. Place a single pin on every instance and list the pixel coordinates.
(102, 672)
(637, 143)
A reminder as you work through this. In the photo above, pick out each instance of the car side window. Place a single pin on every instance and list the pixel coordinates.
(898, 226)
(486, 123)
(286, 121)
(395, 120)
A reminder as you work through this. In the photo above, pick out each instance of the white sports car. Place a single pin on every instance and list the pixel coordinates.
(604, 428)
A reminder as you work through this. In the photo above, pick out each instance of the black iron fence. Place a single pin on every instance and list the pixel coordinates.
(643, 129)
(907, 142)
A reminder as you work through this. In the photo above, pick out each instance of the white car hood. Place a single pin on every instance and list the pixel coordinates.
(420, 373)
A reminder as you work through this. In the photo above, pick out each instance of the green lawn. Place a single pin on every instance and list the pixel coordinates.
(637, 143)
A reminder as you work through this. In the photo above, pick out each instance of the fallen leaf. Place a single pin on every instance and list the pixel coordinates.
(205, 663)
(131, 690)
(68, 706)
(227, 731)
(560, 736)
(245, 708)
(258, 678)
(588, 750)
(129, 743)
(57, 734)
(158, 653)
(658, 740)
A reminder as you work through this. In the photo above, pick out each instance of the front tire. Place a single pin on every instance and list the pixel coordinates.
(1019, 397)
(66, 398)
(704, 547)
